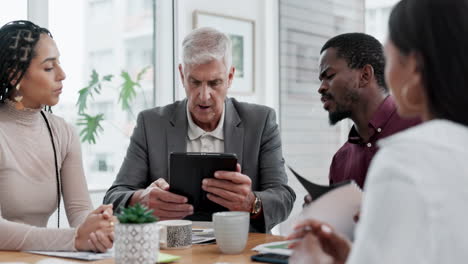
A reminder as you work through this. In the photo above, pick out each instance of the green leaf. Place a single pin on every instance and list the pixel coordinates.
(141, 73)
(91, 126)
(127, 91)
(94, 86)
(88, 91)
(107, 78)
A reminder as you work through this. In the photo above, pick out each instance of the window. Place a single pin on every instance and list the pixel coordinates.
(13, 10)
(101, 163)
(100, 60)
(377, 14)
(138, 53)
(104, 107)
(139, 15)
(100, 9)
(111, 37)
(139, 8)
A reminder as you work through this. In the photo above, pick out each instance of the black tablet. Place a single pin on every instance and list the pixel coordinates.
(186, 172)
(271, 258)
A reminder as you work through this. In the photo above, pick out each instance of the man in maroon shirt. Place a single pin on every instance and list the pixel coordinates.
(353, 86)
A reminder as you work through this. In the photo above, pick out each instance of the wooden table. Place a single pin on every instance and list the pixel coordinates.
(196, 254)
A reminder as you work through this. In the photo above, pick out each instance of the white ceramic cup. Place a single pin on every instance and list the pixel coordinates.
(175, 234)
(231, 231)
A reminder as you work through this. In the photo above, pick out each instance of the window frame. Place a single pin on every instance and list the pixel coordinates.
(162, 45)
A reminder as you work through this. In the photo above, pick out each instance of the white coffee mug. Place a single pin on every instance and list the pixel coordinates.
(231, 231)
(175, 234)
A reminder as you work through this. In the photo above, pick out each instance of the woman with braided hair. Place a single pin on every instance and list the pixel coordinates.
(40, 156)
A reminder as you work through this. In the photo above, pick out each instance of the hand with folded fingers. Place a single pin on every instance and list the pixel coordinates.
(231, 189)
(332, 243)
(309, 251)
(166, 205)
(96, 233)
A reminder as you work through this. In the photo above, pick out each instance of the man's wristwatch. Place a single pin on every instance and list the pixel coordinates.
(256, 206)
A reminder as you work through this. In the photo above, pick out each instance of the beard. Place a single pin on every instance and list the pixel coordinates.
(338, 115)
(343, 111)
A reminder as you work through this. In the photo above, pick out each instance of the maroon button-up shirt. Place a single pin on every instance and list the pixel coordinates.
(353, 158)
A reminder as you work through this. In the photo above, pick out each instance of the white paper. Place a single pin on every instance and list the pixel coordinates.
(76, 255)
(203, 236)
(280, 247)
(56, 261)
(336, 208)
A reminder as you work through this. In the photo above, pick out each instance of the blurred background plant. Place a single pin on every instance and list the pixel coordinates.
(89, 124)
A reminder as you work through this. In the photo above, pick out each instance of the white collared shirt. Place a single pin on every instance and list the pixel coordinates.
(198, 140)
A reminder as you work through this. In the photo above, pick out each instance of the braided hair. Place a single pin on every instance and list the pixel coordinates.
(18, 40)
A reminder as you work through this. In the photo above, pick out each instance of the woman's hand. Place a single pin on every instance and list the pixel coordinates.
(96, 233)
(309, 251)
(332, 243)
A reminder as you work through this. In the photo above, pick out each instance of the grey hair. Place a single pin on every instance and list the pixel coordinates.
(206, 44)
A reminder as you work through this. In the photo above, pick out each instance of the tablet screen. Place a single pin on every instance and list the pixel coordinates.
(186, 172)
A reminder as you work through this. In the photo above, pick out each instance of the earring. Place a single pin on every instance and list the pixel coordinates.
(18, 97)
(411, 104)
(404, 96)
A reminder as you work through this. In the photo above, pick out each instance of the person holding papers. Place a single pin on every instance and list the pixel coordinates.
(351, 72)
(414, 208)
(40, 156)
(207, 121)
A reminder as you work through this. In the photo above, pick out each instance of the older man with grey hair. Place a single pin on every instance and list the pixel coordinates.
(207, 121)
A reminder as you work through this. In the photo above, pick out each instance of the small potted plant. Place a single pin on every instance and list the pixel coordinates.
(136, 236)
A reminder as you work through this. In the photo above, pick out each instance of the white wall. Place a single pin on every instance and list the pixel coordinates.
(265, 15)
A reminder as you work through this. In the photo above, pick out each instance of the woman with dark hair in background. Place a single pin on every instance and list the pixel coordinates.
(40, 156)
(414, 210)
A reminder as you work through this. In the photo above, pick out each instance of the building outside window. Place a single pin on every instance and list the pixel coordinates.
(377, 14)
(110, 37)
(16, 10)
(105, 41)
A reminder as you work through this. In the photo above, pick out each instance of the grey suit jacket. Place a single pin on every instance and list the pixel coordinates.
(250, 131)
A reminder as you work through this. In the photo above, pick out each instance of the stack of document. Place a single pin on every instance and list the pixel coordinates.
(46, 261)
(162, 257)
(82, 255)
(203, 236)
